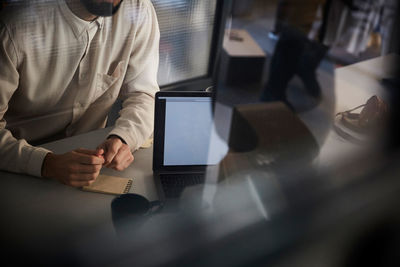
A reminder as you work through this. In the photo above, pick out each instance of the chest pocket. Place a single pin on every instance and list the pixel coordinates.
(108, 86)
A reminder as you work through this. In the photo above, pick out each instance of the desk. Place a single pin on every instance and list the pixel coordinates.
(37, 212)
(242, 57)
(353, 86)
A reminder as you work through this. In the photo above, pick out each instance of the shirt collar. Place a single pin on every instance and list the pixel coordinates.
(78, 25)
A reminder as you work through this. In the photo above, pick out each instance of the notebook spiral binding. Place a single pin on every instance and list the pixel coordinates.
(128, 187)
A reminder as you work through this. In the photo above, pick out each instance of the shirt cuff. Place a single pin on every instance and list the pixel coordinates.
(35, 161)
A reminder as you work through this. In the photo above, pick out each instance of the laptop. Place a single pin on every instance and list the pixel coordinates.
(183, 130)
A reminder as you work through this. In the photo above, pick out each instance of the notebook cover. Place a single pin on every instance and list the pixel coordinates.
(110, 185)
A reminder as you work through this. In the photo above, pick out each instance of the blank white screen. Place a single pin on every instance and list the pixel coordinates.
(189, 130)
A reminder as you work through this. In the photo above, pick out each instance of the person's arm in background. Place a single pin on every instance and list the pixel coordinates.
(135, 124)
(76, 168)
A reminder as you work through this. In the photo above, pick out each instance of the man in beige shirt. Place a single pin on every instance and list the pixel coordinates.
(63, 65)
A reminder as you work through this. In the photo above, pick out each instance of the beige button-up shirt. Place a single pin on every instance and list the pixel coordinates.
(60, 75)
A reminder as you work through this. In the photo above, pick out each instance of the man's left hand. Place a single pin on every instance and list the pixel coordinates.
(117, 155)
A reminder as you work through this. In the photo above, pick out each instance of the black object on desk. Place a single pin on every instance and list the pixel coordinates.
(129, 211)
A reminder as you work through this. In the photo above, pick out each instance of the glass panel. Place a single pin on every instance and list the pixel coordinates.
(186, 33)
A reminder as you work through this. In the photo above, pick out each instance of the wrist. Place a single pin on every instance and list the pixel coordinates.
(116, 136)
(46, 166)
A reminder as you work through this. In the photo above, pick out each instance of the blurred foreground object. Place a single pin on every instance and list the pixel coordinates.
(369, 123)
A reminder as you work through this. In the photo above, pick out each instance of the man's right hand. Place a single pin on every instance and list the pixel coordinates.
(76, 168)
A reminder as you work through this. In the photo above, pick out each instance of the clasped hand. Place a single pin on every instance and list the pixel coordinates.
(81, 167)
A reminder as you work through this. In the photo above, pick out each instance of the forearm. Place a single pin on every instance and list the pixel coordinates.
(135, 124)
(20, 157)
(136, 121)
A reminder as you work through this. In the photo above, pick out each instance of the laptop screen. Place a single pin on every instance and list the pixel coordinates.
(188, 123)
(184, 130)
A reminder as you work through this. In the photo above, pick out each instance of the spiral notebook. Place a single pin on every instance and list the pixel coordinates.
(110, 185)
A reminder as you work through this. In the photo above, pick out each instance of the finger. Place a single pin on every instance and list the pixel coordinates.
(86, 168)
(100, 147)
(122, 160)
(100, 152)
(123, 165)
(79, 183)
(111, 152)
(128, 162)
(89, 159)
(118, 159)
(87, 151)
(82, 177)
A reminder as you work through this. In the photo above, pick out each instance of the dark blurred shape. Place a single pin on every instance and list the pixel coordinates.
(265, 136)
(130, 211)
(105, 9)
(243, 138)
(3, 3)
(294, 55)
(300, 14)
(378, 245)
(393, 83)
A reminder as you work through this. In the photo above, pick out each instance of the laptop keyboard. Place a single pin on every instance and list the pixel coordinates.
(174, 184)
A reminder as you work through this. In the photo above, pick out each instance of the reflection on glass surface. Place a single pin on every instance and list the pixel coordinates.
(292, 190)
(186, 28)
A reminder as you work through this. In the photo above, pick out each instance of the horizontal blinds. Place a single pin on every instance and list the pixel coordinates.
(186, 28)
